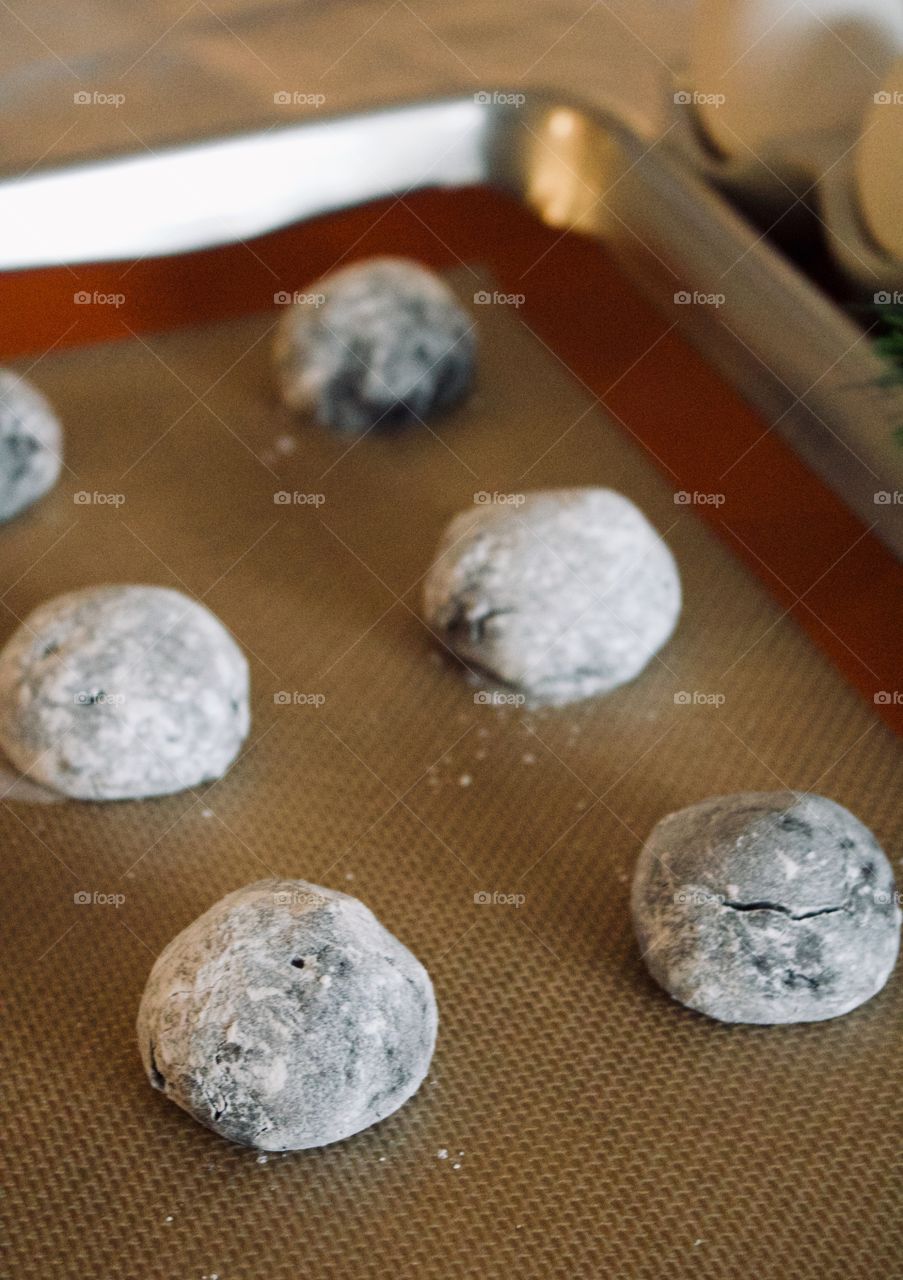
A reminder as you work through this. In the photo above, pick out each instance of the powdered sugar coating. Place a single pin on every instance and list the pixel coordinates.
(287, 1017)
(122, 691)
(766, 907)
(566, 595)
(31, 442)
(389, 344)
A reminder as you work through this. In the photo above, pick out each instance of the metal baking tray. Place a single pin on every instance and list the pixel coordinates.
(575, 1121)
(777, 336)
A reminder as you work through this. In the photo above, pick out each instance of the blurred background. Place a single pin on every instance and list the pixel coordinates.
(176, 68)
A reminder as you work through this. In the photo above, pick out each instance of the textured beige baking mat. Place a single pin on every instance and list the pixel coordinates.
(576, 1121)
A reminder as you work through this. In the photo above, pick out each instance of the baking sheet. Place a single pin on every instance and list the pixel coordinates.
(593, 1127)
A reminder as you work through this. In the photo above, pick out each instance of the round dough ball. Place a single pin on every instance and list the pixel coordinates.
(566, 595)
(287, 1017)
(766, 907)
(31, 442)
(389, 345)
(118, 692)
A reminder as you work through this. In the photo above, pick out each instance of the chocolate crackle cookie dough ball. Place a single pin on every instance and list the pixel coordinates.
(766, 907)
(31, 442)
(287, 1017)
(566, 595)
(388, 344)
(120, 691)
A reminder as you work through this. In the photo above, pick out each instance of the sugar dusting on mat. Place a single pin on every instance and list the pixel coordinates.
(15, 786)
(443, 1154)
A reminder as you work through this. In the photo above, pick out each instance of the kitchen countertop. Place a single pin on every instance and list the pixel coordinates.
(169, 69)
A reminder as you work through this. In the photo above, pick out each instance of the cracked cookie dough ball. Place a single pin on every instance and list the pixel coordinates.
(31, 442)
(389, 344)
(566, 595)
(287, 1017)
(766, 907)
(118, 692)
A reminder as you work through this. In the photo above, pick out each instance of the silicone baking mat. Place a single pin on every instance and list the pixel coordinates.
(576, 1121)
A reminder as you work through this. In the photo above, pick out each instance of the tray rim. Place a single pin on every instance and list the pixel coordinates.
(488, 148)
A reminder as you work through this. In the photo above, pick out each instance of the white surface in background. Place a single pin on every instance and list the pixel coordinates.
(48, 218)
(770, 71)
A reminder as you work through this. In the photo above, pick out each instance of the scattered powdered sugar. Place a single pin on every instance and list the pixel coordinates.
(442, 1154)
